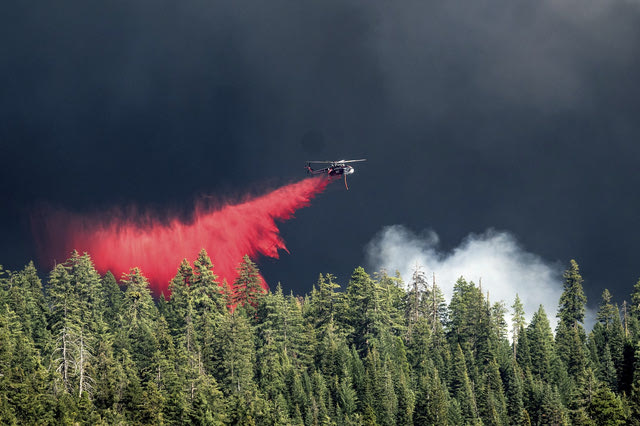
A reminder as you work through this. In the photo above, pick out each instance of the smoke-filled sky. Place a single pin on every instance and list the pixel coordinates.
(518, 116)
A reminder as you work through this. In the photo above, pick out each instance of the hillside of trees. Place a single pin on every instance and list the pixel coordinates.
(82, 348)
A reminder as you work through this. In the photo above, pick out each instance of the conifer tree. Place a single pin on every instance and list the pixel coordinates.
(105, 369)
(139, 321)
(236, 348)
(435, 307)
(24, 382)
(606, 408)
(247, 288)
(523, 355)
(469, 322)
(364, 315)
(634, 310)
(570, 335)
(323, 303)
(498, 324)
(65, 325)
(204, 287)
(347, 401)
(86, 283)
(514, 393)
(552, 412)
(541, 346)
(180, 296)
(432, 400)
(25, 296)
(517, 322)
(87, 352)
(111, 296)
(414, 297)
(494, 404)
(573, 300)
(461, 388)
(391, 301)
(272, 333)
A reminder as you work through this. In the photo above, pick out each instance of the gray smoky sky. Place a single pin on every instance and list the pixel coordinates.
(493, 260)
(511, 115)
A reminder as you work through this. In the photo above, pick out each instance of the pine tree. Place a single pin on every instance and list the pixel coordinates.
(65, 325)
(573, 300)
(364, 314)
(470, 322)
(208, 405)
(541, 346)
(271, 333)
(461, 388)
(24, 382)
(401, 374)
(494, 404)
(606, 408)
(497, 323)
(415, 295)
(247, 287)
(105, 368)
(523, 355)
(180, 297)
(570, 335)
(347, 401)
(552, 411)
(86, 284)
(139, 321)
(582, 397)
(25, 297)
(432, 400)
(112, 297)
(435, 306)
(608, 369)
(391, 301)
(634, 310)
(204, 288)
(514, 393)
(607, 337)
(379, 389)
(570, 348)
(518, 323)
(237, 353)
(323, 303)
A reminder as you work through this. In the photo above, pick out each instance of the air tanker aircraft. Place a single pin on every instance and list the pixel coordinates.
(335, 168)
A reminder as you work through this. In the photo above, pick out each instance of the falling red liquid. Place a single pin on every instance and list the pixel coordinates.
(227, 234)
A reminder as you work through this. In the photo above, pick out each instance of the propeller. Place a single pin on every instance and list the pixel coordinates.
(335, 162)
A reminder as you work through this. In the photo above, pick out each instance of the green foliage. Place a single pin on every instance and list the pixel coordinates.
(570, 335)
(606, 408)
(85, 350)
(247, 289)
(323, 303)
(541, 346)
(363, 314)
(235, 346)
(518, 323)
(573, 300)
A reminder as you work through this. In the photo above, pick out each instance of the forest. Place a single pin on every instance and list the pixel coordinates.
(85, 348)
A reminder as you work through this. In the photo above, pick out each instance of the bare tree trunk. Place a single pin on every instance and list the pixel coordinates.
(81, 364)
(65, 363)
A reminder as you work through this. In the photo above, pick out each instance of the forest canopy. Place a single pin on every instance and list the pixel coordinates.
(86, 348)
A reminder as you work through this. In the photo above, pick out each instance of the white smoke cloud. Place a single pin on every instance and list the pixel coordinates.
(495, 257)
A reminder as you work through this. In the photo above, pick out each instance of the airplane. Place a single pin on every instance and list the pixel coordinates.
(335, 168)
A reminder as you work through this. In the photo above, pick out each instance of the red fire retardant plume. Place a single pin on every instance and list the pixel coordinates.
(227, 234)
